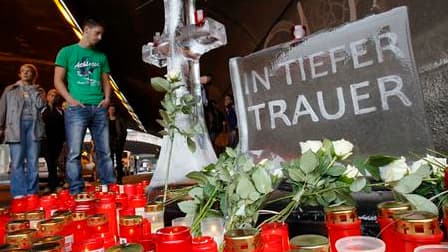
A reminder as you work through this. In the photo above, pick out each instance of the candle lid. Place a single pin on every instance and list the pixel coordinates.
(128, 247)
(19, 216)
(154, 207)
(340, 209)
(17, 225)
(50, 239)
(309, 241)
(35, 215)
(51, 225)
(47, 247)
(131, 220)
(341, 214)
(22, 233)
(79, 216)
(82, 197)
(418, 216)
(64, 215)
(97, 219)
(388, 208)
(418, 223)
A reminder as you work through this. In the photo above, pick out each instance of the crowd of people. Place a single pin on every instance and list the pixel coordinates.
(31, 119)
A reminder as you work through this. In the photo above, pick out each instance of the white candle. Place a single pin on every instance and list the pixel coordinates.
(214, 227)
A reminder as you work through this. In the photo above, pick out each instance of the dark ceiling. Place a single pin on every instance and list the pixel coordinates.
(32, 31)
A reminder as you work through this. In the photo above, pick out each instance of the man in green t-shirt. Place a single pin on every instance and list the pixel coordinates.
(86, 71)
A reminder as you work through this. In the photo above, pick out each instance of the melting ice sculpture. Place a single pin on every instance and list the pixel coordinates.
(169, 50)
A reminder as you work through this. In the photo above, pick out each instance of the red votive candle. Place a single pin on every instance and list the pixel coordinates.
(138, 202)
(85, 202)
(341, 221)
(4, 218)
(18, 205)
(386, 211)
(68, 228)
(113, 188)
(97, 224)
(177, 238)
(106, 205)
(32, 202)
(93, 244)
(269, 231)
(417, 228)
(80, 226)
(131, 229)
(140, 189)
(204, 244)
(129, 189)
(17, 225)
(49, 203)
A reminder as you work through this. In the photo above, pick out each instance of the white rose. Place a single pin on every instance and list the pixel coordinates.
(313, 145)
(394, 171)
(342, 148)
(438, 164)
(352, 172)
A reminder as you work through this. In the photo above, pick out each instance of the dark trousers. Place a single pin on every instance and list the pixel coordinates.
(53, 148)
(116, 155)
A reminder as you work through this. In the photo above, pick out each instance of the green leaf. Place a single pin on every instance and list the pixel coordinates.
(380, 160)
(308, 162)
(408, 183)
(262, 181)
(160, 84)
(191, 144)
(188, 206)
(421, 203)
(196, 193)
(296, 175)
(423, 171)
(200, 177)
(162, 123)
(358, 184)
(244, 187)
(329, 196)
(336, 170)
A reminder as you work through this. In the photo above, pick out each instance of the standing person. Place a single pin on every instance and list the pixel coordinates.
(231, 122)
(88, 95)
(23, 128)
(117, 139)
(53, 116)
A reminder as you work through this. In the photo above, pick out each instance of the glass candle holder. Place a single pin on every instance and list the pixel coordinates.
(171, 239)
(32, 202)
(360, 244)
(131, 228)
(213, 227)
(18, 205)
(22, 239)
(90, 245)
(35, 217)
(182, 221)
(138, 202)
(154, 214)
(204, 244)
(97, 224)
(50, 227)
(270, 230)
(4, 218)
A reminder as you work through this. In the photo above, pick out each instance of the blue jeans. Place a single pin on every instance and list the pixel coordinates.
(25, 162)
(77, 120)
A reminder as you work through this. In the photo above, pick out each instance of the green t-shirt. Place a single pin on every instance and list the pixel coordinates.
(84, 67)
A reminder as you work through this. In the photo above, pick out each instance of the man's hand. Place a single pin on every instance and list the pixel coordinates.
(104, 103)
(73, 103)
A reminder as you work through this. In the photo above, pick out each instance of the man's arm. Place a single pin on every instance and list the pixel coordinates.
(107, 90)
(59, 76)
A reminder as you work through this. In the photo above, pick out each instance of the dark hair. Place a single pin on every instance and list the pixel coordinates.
(92, 22)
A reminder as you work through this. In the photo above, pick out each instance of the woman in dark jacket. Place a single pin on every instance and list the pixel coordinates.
(22, 127)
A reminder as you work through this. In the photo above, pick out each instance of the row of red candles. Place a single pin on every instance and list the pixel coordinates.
(83, 237)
